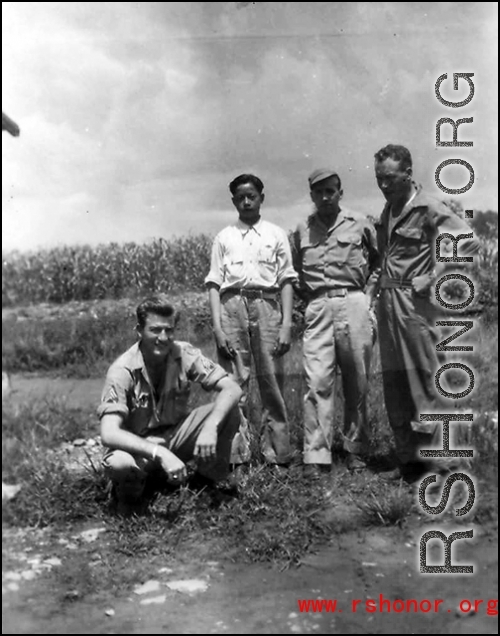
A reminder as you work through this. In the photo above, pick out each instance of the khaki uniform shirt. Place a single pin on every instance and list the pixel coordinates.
(128, 391)
(344, 255)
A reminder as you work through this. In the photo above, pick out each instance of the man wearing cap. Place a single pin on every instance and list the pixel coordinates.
(407, 231)
(251, 272)
(336, 255)
(145, 419)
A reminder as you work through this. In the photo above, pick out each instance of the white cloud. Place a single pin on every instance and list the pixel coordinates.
(143, 112)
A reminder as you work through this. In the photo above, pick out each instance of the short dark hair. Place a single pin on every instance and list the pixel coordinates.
(396, 152)
(155, 305)
(246, 178)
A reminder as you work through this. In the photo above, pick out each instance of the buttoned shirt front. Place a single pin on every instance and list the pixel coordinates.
(129, 392)
(408, 244)
(344, 255)
(251, 257)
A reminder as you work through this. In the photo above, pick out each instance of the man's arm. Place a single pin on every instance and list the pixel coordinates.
(449, 223)
(374, 263)
(222, 341)
(285, 332)
(229, 394)
(116, 437)
(446, 222)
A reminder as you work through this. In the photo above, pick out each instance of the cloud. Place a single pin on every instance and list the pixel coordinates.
(137, 115)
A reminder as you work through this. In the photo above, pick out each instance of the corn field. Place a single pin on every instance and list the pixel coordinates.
(132, 270)
(115, 270)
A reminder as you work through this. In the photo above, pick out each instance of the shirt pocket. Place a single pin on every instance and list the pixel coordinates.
(349, 249)
(141, 411)
(409, 240)
(234, 268)
(312, 253)
(267, 262)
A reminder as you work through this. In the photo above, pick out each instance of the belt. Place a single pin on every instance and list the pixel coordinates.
(267, 294)
(333, 292)
(386, 282)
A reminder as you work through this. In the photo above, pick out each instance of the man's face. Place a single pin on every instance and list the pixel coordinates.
(326, 196)
(393, 181)
(247, 200)
(156, 337)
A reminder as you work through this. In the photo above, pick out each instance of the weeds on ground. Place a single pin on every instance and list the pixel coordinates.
(276, 520)
(389, 508)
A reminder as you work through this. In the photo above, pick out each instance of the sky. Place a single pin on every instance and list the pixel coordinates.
(135, 116)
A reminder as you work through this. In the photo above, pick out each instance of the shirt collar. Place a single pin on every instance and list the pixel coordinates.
(413, 202)
(245, 229)
(341, 217)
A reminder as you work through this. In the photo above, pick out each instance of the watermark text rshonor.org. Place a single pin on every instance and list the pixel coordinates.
(382, 605)
(466, 325)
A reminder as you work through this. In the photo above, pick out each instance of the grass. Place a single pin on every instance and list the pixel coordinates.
(82, 339)
(277, 520)
(389, 508)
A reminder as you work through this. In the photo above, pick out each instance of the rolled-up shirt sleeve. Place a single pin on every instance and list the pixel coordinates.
(201, 369)
(286, 271)
(216, 274)
(447, 222)
(114, 394)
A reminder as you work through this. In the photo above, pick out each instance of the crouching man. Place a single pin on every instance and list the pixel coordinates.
(145, 419)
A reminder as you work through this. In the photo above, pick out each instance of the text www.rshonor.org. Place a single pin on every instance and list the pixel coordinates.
(398, 606)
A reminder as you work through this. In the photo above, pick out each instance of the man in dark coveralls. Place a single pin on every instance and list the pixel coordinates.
(406, 233)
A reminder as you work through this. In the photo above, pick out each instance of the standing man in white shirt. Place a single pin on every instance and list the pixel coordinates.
(251, 297)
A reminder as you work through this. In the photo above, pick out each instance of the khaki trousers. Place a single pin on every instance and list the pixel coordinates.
(339, 331)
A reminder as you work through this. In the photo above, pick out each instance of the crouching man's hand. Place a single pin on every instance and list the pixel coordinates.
(174, 467)
(206, 444)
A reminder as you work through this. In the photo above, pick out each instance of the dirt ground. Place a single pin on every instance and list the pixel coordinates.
(371, 573)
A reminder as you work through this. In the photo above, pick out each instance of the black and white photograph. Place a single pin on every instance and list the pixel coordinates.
(249, 318)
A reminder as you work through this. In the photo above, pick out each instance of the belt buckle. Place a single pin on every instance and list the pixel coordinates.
(336, 293)
(251, 293)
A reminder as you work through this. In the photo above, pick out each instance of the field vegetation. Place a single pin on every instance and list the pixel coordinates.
(70, 312)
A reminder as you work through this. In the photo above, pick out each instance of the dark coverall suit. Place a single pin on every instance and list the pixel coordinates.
(407, 332)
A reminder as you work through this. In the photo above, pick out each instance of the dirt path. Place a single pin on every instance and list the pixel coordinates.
(231, 598)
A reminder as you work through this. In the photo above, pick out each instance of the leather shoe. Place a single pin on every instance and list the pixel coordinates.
(314, 472)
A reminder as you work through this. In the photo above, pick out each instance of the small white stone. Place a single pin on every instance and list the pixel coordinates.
(91, 535)
(29, 575)
(52, 562)
(188, 586)
(146, 588)
(109, 612)
(35, 561)
(154, 600)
